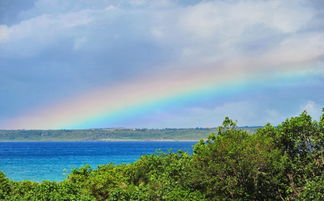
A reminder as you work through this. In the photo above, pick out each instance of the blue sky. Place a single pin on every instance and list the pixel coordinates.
(54, 49)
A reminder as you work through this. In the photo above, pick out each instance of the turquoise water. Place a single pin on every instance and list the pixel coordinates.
(39, 161)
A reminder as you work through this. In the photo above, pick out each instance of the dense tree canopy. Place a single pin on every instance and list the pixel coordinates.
(274, 163)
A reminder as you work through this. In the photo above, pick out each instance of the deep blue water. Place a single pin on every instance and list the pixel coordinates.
(39, 161)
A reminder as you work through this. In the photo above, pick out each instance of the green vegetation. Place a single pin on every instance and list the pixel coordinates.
(109, 134)
(274, 163)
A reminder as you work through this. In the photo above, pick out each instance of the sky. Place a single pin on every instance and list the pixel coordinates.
(159, 63)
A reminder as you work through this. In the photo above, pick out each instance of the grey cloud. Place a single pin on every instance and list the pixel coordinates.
(51, 49)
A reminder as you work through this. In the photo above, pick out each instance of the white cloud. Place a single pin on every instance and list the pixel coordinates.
(79, 42)
(110, 7)
(157, 32)
(205, 32)
(227, 19)
(31, 36)
(313, 109)
(4, 33)
(202, 21)
(137, 2)
(211, 31)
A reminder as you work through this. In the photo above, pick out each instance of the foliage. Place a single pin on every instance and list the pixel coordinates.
(234, 165)
(5, 186)
(274, 163)
(313, 189)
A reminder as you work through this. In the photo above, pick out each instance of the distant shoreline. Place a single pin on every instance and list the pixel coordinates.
(189, 134)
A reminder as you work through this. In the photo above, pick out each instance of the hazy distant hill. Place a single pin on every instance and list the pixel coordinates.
(109, 134)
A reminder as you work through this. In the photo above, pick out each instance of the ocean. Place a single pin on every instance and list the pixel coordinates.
(38, 161)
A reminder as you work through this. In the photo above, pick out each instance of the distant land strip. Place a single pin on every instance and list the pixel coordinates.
(112, 134)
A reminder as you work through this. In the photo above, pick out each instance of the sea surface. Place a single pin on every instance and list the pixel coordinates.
(38, 161)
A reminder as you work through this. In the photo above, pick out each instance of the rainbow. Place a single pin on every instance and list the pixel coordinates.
(109, 104)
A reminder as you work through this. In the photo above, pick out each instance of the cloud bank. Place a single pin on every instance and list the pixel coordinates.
(51, 50)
